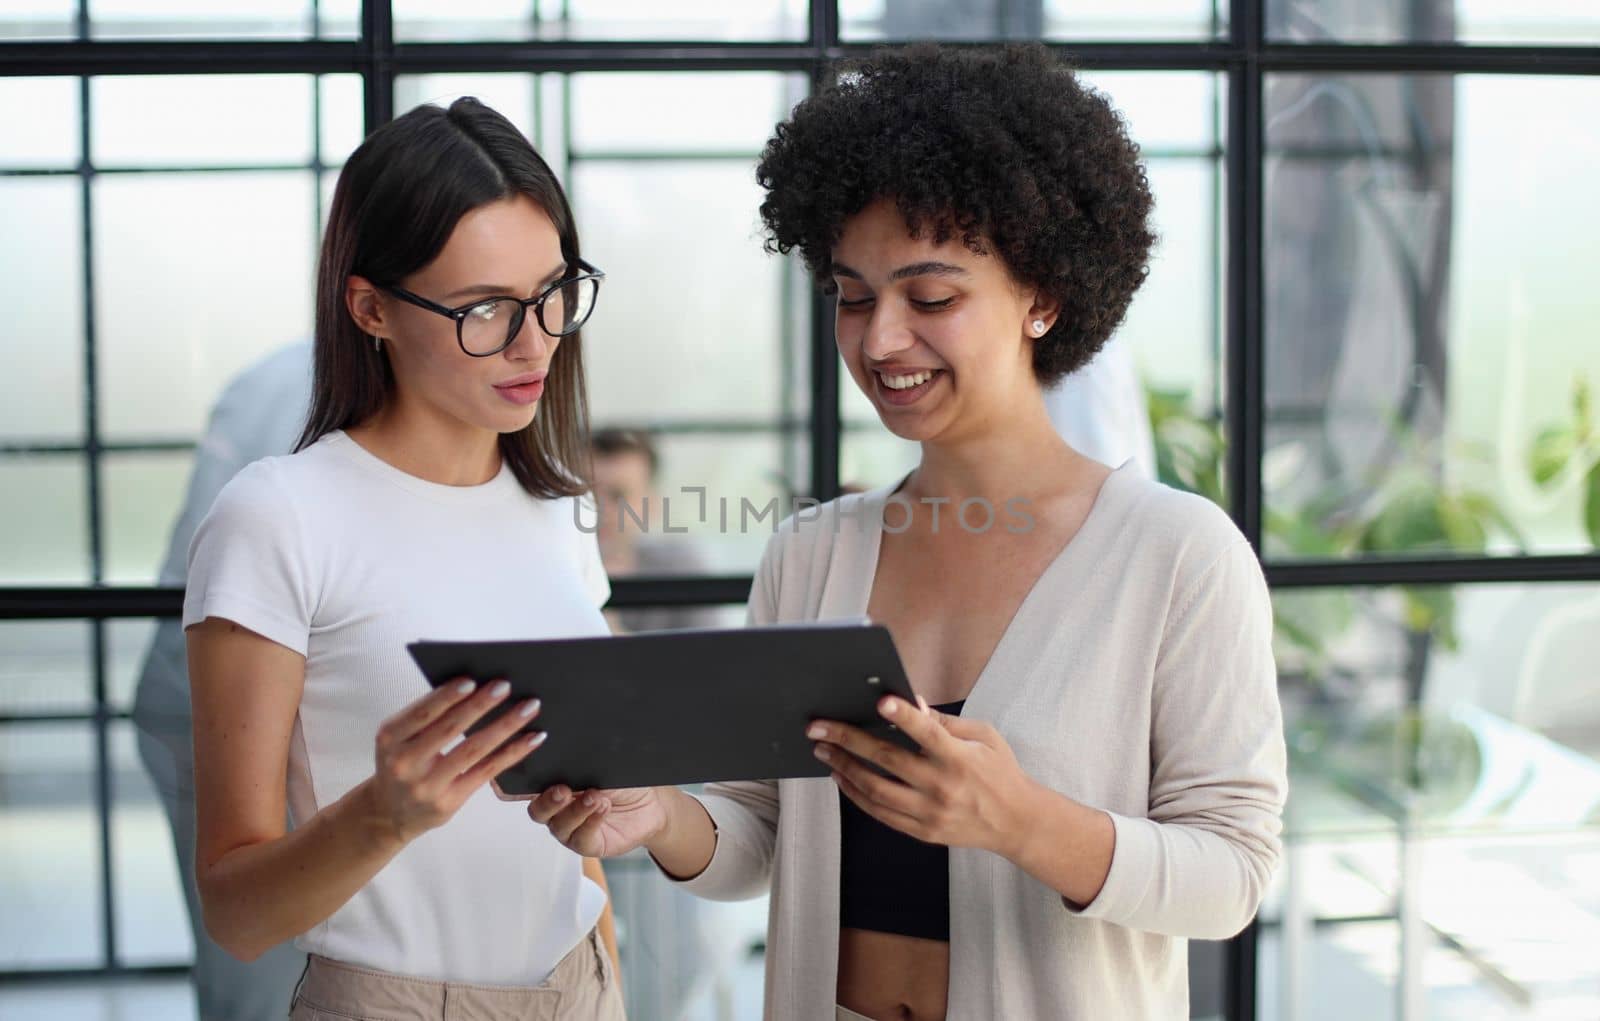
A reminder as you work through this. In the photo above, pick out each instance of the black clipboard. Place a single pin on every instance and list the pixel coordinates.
(680, 707)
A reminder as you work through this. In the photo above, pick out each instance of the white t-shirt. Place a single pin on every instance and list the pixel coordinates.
(342, 557)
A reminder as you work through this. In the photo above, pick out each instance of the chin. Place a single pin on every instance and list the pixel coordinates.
(511, 421)
(917, 431)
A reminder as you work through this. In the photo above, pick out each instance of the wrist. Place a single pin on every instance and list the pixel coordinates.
(670, 800)
(1027, 822)
(376, 830)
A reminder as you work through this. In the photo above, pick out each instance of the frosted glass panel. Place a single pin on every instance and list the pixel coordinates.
(142, 496)
(342, 112)
(1431, 348)
(127, 642)
(39, 122)
(49, 848)
(511, 95)
(207, 19)
(182, 305)
(1164, 109)
(201, 120)
(1065, 20)
(688, 323)
(152, 921)
(642, 112)
(514, 20)
(45, 667)
(38, 20)
(41, 289)
(43, 515)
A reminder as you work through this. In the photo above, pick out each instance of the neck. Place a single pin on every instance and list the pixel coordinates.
(424, 442)
(1016, 453)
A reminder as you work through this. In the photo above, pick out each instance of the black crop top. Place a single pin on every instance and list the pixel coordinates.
(888, 881)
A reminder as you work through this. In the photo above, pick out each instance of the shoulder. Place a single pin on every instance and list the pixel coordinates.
(809, 536)
(1179, 533)
(271, 488)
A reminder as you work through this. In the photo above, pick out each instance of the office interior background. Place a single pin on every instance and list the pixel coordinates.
(1371, 332)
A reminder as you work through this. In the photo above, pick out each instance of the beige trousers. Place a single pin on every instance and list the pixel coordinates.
(583, 986)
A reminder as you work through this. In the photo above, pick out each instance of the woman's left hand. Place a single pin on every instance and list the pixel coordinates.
(965, 788)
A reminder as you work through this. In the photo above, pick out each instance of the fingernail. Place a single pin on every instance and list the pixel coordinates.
(500, 690)
(561, 797)
(528, 708)
(466, 687)
(922, 703)
(823, 753)
(536, 740)
(588, 801)
(890, 707)
(816, 732)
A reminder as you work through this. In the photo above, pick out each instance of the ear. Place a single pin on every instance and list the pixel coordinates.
(365, 304)
(1042, 310)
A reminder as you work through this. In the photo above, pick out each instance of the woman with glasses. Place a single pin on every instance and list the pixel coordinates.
(1101, 772)
(431, 496)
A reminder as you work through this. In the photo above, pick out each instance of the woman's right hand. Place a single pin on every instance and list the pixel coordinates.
(602, 824)
(419, 785)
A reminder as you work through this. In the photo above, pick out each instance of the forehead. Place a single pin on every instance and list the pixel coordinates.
(502, 240)
(877, 240)
(622, 466)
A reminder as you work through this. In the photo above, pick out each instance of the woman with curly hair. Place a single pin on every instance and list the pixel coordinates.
(1101, 769)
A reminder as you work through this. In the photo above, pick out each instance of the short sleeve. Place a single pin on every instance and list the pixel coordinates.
(248, 562)
(590, 566)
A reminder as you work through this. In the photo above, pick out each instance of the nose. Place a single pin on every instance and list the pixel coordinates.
(531, 344)
(887, 333)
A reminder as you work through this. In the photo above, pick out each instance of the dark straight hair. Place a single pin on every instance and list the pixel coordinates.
(399, 197)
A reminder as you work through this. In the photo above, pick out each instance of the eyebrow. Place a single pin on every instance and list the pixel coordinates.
(916, 269)
(499, 290)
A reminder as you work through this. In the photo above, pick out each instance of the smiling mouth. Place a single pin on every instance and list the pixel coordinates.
(906, 381)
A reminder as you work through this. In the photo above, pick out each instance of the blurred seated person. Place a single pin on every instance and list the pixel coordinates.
(625, 468)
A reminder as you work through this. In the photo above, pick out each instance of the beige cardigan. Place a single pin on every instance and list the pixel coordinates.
(1136, 677)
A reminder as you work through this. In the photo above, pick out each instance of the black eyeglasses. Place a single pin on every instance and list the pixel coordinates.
(489, 325)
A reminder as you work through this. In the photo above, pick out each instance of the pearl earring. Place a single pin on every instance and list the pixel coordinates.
(1038, 326)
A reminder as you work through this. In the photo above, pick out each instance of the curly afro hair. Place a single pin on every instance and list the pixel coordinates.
(1001, 147)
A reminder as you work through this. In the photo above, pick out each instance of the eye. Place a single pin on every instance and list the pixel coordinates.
(933, 306)
(485, 312)
(852, 303)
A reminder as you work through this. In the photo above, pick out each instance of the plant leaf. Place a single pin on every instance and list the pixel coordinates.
(1591, 506)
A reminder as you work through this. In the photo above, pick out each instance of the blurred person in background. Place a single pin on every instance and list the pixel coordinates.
(260, 413)
(1100, 410)
(626, 467)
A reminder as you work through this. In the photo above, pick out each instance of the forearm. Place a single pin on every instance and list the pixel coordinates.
(257, 896)
(685, 845)
(1066, 845)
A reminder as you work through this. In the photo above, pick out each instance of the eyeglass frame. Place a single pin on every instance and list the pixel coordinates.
(586, 271)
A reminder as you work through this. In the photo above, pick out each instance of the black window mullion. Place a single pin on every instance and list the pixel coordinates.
(1244, 399)
(823, 39)
(103, 795)
(92, 495)
(377, 63)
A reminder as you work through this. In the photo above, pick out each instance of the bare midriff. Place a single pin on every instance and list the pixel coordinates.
(889, 977)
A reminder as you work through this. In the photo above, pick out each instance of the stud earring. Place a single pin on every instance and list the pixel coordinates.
(1038, 326)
